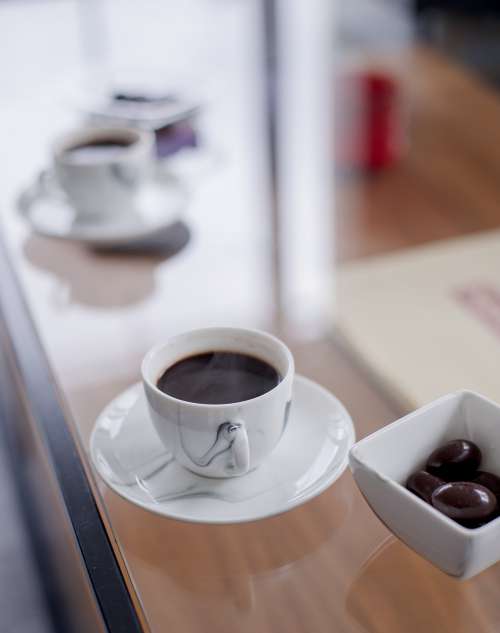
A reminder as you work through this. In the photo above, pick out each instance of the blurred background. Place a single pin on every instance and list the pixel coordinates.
(327, 170)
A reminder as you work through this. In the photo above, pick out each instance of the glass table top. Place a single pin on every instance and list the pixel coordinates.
(329, 564)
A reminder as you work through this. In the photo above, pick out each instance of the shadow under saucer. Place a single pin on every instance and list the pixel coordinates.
(108, 278)
(165, 243)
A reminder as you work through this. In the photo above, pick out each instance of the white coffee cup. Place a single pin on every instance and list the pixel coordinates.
(101, 180)
(220, 440)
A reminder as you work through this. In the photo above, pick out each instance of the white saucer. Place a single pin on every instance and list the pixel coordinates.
(159, 204)
(311, 455)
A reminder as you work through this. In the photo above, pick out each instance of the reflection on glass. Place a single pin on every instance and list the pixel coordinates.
(397, 590)
(229, 568)
(304, 164)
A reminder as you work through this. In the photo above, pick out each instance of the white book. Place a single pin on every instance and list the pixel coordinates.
(427, 319)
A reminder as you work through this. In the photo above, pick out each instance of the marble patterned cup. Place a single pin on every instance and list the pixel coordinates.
(220, 440)
(104, 184)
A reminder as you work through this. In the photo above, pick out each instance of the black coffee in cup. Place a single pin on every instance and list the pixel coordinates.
(218, 378)
(101, 150)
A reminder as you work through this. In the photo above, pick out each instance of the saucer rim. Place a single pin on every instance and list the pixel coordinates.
(34, 192)
(308, 495)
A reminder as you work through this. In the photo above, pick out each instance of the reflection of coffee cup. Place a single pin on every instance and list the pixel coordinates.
(227, 438)
(100, 169)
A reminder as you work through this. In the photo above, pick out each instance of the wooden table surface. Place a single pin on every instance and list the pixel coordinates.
(448, 183)
(329, 565)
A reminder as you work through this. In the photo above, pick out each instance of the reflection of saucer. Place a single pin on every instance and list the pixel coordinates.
(158, 203)
(311, 455)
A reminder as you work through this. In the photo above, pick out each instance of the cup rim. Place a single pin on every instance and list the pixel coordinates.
(234, 330)
(143, 139)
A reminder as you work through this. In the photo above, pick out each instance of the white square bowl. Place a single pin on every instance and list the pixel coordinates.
(382, 462)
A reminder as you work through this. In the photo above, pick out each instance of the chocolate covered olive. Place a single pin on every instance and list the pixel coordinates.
(423, 484)
(457, 460)
(490, 481)
(470, 504)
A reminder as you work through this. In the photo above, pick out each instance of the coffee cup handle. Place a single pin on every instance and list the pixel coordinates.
(47, 183)
(46, 180)
(240, 450)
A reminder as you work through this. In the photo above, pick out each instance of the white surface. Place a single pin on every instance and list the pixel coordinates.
(228, 213)
(305, 170)
(242, 434)
(157, 204)
(382, 462)
(311, 455)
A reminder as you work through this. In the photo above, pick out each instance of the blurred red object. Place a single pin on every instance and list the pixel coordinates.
(369, 120)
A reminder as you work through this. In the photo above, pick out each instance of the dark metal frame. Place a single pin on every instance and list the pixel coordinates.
(466, 7)
(40, 392)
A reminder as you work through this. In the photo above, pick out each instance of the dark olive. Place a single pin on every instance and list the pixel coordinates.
(490, 481)
(457, 460)
(423, 484)
(468, 503)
